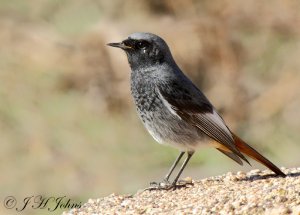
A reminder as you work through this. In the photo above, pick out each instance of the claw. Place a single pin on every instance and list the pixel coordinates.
(166, 185)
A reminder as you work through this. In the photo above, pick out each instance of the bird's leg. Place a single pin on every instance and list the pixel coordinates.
(166, 185)
(189, 155)
(166, 179)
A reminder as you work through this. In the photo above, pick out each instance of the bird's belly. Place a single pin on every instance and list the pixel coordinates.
(164, 126)
(167, 128)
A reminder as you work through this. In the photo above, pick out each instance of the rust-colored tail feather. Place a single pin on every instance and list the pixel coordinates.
(248, 150)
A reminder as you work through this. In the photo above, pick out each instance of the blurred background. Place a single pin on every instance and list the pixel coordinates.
(68, 126)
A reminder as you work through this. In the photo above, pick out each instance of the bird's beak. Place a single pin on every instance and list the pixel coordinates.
(120, 45)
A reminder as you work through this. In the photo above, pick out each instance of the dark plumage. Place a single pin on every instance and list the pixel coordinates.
(173, 109)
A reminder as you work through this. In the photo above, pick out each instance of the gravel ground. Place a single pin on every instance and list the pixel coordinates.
(255, 192)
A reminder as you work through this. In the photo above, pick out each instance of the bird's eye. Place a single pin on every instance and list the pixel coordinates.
(142, 44)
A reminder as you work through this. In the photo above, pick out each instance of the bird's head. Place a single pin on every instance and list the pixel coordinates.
(144, 50)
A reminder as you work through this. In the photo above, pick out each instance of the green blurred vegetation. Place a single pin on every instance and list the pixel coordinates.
(67, 122)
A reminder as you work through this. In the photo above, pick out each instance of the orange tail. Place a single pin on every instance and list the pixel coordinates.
(248, 150)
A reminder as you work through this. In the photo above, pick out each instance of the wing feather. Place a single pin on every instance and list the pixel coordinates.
(201, 114)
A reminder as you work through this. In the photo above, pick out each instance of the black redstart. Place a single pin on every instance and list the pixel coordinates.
(173, 110)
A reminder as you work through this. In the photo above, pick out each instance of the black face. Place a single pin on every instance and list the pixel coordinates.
(137, 44)
(140, 53)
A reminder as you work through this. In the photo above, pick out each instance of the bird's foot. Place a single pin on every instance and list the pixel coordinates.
(166, 185)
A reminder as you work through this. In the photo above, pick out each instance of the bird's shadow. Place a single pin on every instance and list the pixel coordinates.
(262, 177)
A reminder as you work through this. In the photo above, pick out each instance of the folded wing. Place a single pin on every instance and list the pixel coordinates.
(201, 114)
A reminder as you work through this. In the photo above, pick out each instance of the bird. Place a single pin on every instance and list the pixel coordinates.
(174, 110)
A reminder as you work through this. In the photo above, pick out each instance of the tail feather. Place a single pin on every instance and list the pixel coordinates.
(248, 150)
(231, 155)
